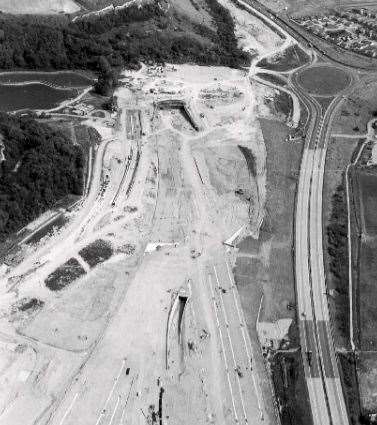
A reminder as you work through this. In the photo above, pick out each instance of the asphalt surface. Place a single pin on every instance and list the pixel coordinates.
(319, 358)
(317, 348)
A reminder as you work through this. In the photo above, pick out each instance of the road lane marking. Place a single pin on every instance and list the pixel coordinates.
(316, 269)
(250, 354)
(115, 410)
(122, 415)
(230, 344)
(301, 265)
(68, 411)
(323, 297)
(103, 410)
(223, 349)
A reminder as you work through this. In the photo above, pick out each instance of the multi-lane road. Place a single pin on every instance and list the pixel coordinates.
(318, 353)
(319, 357)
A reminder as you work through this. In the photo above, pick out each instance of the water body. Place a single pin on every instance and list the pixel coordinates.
(60, 79)
(33, 96)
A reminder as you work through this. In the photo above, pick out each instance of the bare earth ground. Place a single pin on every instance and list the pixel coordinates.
(114, 346)
(42, 7)
(71, 323)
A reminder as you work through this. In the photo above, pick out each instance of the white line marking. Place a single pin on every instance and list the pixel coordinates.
(115, 410)
(246, 338)
(110, 393)
(230, 343)
(223, 348)
(68, 411)
(122, 415)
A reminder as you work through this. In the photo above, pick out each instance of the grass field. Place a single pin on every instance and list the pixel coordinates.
(283, 103)
(368, 295)
(364, 244)
(365, 181)
(339, 154)
(40, 7)
(276, 272)
(368, 186)
(265, 266)
(367, 376)
(359, 107)
(272, 78)
(324, 80)
(291, 58)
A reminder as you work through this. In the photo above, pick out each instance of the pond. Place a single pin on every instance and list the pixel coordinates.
(33, 96)
(67, 79)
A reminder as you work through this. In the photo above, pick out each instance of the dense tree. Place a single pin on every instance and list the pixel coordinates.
(118, 39)
(41, 166)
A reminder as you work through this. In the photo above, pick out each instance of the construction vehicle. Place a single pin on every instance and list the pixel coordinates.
(309, 355)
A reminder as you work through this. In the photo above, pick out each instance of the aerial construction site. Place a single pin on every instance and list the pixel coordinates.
(129, 312)
(197, 279)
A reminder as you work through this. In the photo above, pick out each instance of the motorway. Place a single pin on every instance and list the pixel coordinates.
(318, 353)
(317, 347)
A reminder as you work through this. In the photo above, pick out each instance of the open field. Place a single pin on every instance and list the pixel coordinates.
(368, 185)
(367, 376)
(283, 104)
(194, 10)
(364, 189)
(324, 80)
(291, 58)
(357, 109)
(276, 232)
(367, 297)
(339, 154)
(358, 370)
(265, 266)
(43, 7)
